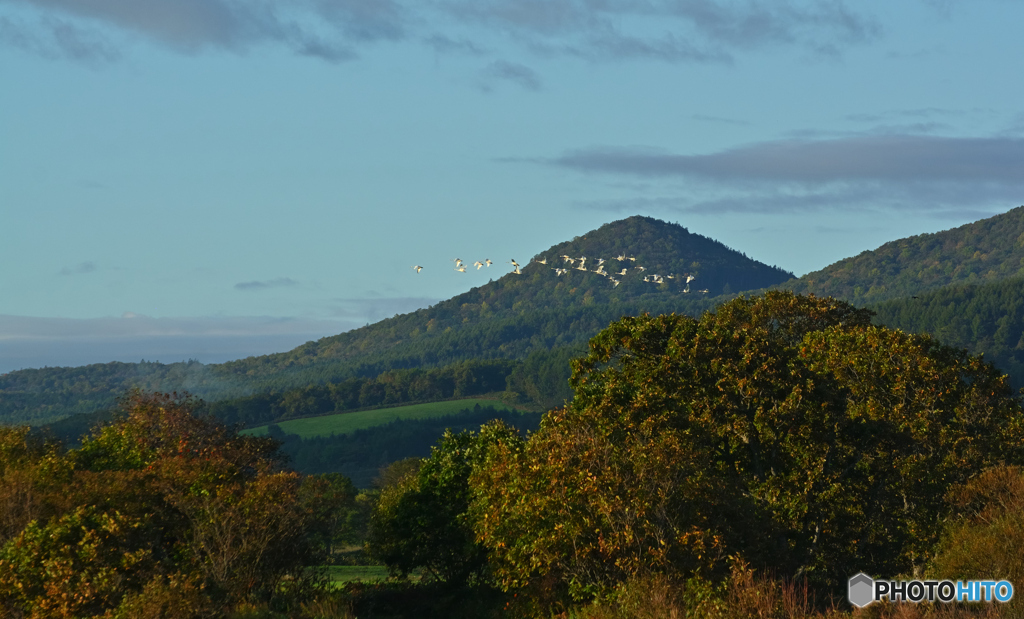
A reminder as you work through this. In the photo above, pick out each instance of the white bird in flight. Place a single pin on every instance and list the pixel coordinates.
(478, 264)
(461, 268)
(418, 268)
(488, 262)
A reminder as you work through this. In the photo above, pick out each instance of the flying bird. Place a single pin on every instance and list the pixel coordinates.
(418, 268)
(542, 261)
(461, 268)
(514, 263)
(488, 262)
(622, 272)
(478, 264)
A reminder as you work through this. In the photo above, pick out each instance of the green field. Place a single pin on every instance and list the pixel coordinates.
(348, 573)
(344, 423)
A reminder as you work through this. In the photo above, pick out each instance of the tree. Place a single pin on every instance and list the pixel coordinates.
(423, 519)
(782, 428)
(157, 505)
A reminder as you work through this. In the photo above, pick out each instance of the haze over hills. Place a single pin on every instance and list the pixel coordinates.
(984, 251)
(509, 318)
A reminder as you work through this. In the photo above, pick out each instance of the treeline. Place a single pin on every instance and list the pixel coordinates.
(539, 381)
(41, 395)
(984, 319)
(393, 388)
(362, 454)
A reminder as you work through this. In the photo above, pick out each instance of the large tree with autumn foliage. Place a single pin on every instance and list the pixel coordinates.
(782, 428)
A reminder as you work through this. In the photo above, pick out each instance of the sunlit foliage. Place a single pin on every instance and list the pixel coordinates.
(785, 429)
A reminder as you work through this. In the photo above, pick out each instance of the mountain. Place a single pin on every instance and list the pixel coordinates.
(984, 251)
(509, 318)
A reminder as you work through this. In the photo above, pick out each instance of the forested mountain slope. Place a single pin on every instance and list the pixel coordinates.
(983, 251)
(986, 318)
(505, 319)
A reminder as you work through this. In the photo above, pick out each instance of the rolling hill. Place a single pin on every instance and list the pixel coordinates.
(984, 251)
(509, 318)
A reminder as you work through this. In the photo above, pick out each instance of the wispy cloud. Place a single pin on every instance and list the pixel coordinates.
(337, 30)
(518, 74)
(941, 176)
(324, 28)
(280, 282)
(443, 44)
(53, 37)
(876, 158)
(697, 30)
(79, 269)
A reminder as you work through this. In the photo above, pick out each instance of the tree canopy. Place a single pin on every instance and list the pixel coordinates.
(782, 428)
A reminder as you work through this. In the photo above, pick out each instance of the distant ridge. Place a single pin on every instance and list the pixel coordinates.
(984, 251)
(511, 318)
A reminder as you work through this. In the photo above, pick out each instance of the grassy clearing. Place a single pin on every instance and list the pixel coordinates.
(340, 574)
(344, 423)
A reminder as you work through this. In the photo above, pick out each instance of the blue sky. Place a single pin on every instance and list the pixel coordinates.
(219, 178)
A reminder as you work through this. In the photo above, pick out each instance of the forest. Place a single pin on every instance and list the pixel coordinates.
(743, 463)
(977, 253)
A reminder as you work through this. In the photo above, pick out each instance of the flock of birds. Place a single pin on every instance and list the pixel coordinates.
(580, 264)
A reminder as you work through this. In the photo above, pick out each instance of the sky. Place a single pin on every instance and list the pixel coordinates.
(213, 179)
